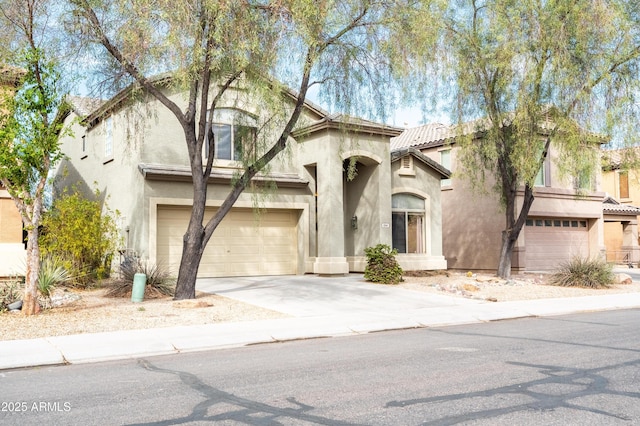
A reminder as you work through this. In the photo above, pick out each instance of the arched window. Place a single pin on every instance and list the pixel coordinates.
(407, 229)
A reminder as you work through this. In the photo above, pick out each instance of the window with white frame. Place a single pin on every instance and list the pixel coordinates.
(543, 178)
(540, 177)
(445, 161)
(408, 223)
(234, 135)
(108, 138)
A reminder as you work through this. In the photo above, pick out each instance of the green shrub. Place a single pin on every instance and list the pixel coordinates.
(382, 266)
(10, 291)
(581, 272)
(158, 283)
(76, 231)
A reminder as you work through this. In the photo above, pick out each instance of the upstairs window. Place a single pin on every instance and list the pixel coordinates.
(540, 177)
(108, 138)
(583, 180)
(445, 161)
(623, 184)
(231, 141)
(234, 135)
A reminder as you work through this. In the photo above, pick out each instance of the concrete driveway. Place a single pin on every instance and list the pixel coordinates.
(312, 295)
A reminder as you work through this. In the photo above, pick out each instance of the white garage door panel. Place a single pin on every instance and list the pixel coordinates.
(548, 247)
(243, 244)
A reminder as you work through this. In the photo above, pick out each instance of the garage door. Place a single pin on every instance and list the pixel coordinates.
(550, 242)
(243, 244)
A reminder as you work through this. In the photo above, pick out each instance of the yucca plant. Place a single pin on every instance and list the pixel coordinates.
(52, 272)
(584, 272)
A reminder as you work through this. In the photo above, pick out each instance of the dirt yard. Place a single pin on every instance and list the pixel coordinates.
(91, 311)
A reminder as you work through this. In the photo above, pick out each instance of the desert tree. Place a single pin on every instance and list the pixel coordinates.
(528, 73)
(30, 125)
(209, 47)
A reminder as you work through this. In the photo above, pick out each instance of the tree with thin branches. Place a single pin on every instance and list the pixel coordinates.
(211, 47)
(30, 124)
(530, 74)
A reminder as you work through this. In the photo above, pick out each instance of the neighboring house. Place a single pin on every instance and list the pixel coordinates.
(560, 224)
(12, 248)
(316, 221)
(621, 214)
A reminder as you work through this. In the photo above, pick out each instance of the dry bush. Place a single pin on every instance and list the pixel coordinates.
(159, 282)
(584, 272)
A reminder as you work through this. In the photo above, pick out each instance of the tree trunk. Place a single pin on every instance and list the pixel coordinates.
(193, 246)
(30, 304)
(192, 250)
(512, 232)
(506, 251)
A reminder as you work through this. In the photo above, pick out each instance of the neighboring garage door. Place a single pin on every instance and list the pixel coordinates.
(243, 244)
(550, 242)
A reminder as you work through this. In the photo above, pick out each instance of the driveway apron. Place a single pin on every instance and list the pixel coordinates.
(312, 295)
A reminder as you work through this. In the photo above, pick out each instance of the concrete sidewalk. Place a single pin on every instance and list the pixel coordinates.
(319, 306)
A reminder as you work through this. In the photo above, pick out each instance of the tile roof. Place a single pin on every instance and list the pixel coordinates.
(623, 158)
(435, 134)
(84, 106)
(610, 205)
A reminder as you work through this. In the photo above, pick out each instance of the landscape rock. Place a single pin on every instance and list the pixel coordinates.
(65, 298)
(15, 306)
(470, 287)
(191, 303)
(623, 279)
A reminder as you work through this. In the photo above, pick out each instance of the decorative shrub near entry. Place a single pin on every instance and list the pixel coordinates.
(382, 266)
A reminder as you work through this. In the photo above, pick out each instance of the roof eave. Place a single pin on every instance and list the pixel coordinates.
(157, 172)
(365, 128)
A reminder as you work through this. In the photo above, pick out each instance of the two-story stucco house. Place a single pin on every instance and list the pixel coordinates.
(560, 224)
(313, 217)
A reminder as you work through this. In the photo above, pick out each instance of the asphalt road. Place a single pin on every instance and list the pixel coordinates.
(569, 370)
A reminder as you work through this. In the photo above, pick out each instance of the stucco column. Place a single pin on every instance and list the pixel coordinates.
(630, 240)
(330, 258)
